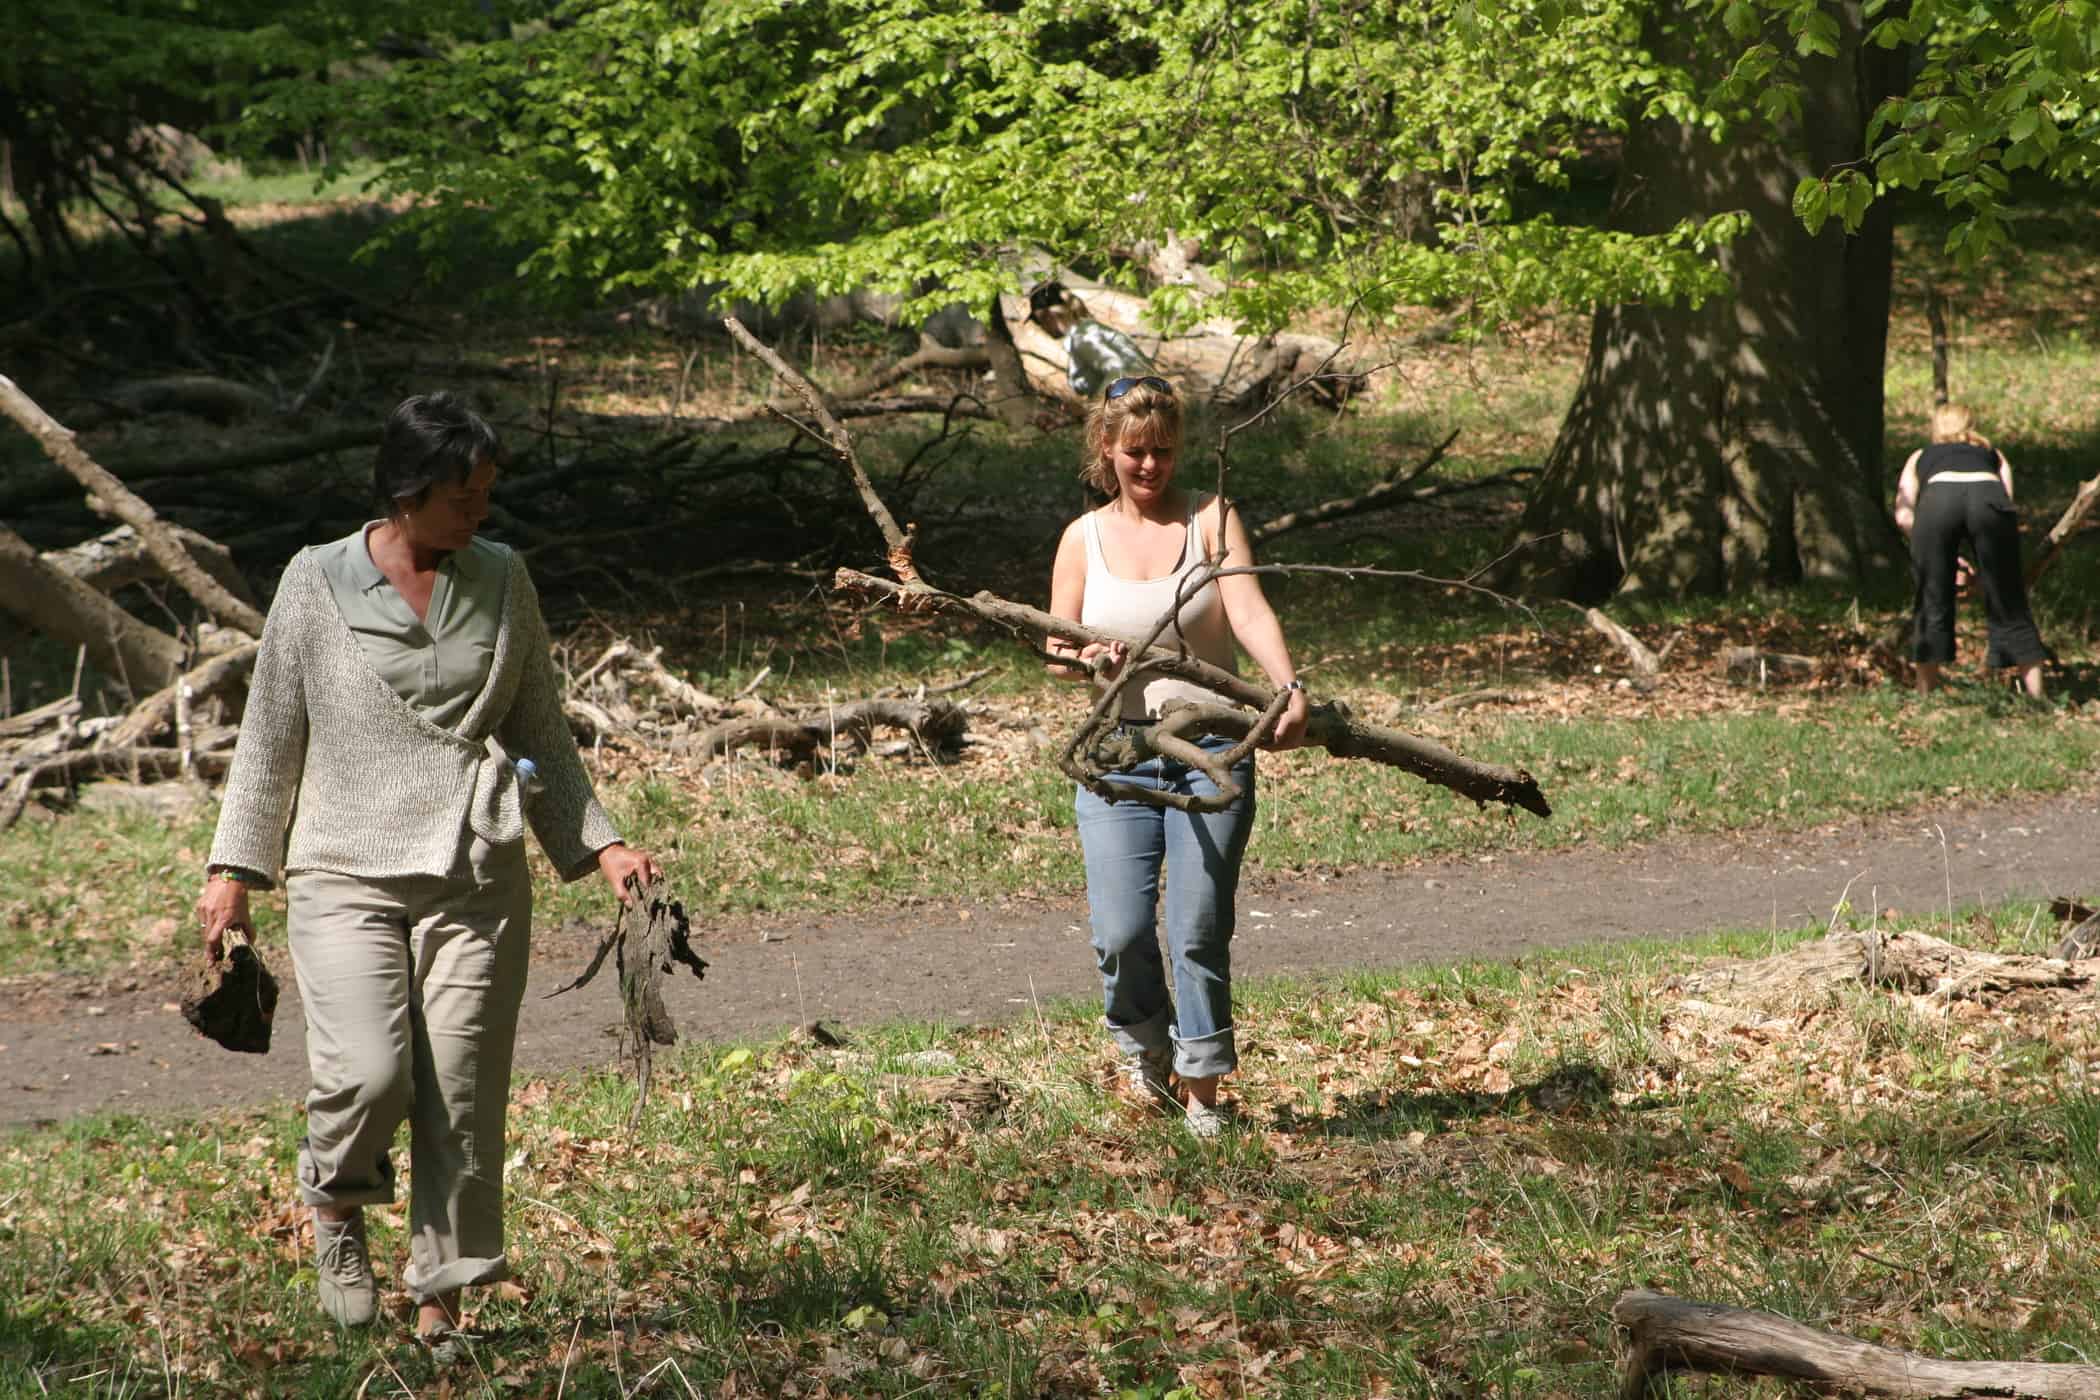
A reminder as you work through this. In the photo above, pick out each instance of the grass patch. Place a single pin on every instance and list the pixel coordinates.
(1439, 1181)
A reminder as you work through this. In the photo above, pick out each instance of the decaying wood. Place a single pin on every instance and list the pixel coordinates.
(58, 711)
(150, 717)
(251, 457)
(205, 395)
(899, 541)
(2066, 525)
(663, 940)
(80, 764)
(1473, 699)
(1903, 960)
(937, 725)
(118, 556)
(972, 1097)
(1384, 496)
(1646, 665)
(57, 605)
(1756, 665)
(161, 542)
(1665, 1334)
(931, 354)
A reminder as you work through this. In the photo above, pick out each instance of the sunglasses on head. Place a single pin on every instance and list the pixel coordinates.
(1118, 388)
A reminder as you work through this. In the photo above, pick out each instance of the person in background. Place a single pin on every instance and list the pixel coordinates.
(1956, 491)
(403, 693)
(1118, 570)
(1095, 352)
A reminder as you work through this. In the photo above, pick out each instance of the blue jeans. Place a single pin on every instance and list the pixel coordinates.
(1125, 843)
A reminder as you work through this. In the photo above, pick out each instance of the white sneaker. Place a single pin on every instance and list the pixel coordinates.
(1145, 1076)
(1204, 1120)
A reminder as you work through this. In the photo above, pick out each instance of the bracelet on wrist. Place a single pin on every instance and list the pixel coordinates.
(1293, 685)
(234, 877)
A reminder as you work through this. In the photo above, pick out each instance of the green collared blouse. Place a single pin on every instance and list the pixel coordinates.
(437, 664)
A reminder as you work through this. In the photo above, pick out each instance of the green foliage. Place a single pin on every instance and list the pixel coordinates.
(1326, 155)
(1999, 87)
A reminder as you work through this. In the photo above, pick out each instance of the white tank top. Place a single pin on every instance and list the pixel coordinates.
(1128, 608)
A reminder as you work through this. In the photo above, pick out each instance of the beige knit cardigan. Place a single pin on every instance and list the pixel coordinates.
(367, 786)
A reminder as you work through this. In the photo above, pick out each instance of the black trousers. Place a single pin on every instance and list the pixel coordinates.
(1979, 514)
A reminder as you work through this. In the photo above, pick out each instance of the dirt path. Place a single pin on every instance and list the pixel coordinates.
(68, 1051)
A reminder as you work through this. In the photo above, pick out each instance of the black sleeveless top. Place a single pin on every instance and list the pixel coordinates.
(1955, 457)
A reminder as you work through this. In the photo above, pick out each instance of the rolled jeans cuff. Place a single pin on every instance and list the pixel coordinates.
(452, 1274)
(1202, 1056)
(1150, 1036)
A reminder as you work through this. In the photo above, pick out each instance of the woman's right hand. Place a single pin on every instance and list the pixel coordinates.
(223, 905)
(1103, 659)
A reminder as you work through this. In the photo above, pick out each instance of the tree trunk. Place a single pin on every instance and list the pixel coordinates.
(1737, 444)
(60, 606)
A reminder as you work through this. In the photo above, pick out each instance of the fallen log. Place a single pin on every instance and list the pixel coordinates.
(57, 485)
(1747, 664)
(160, 542)
(931, 354)
(152, 716)
(1666, 1334)
(936, 725)
(118, 557)
(2066, 525)
(1646, 664)
(52, 602)
(79, 764)
(1904, 960)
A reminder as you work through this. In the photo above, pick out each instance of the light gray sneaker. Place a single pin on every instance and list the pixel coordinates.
(348, 1293)
(1145, 1076)
(1204, 1120)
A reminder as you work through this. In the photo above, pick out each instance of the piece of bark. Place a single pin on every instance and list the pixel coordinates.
(28, 722)
(936, 724)
(1757, 664)
(160, 541)
(1472, 699)
(2066, 525)
(1644, 662)
(1665, 1334)
(118, 556)
(57, 605)
(1905, 960)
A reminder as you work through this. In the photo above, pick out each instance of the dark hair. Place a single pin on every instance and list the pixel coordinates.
(429, 439)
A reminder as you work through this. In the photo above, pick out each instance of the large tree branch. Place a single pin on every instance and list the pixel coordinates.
(1331, 725)
(1666, 1334)
(899, 541)
(63, 608)
(160, 541)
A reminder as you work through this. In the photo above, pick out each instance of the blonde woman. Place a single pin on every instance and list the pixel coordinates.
(1959, 491)
(1118, 570)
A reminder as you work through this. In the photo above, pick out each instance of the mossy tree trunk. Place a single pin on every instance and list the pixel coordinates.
(1738, 444)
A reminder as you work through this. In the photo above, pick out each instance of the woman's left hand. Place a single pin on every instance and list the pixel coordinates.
(620, 860)
(1290, 725)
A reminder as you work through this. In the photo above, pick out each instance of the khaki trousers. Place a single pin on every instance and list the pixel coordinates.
(412, 987)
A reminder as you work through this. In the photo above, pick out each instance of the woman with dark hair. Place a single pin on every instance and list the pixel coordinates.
(1095, 351)
(403, 705)
(1119, 570)
(1959, 491)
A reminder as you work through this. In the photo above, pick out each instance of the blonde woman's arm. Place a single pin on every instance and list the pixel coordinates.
(2005, 475)
(1254, 623)
(1907, 495)
(1067, 598)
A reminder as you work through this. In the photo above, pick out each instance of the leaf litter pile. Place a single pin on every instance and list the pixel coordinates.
(1436, 1186)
